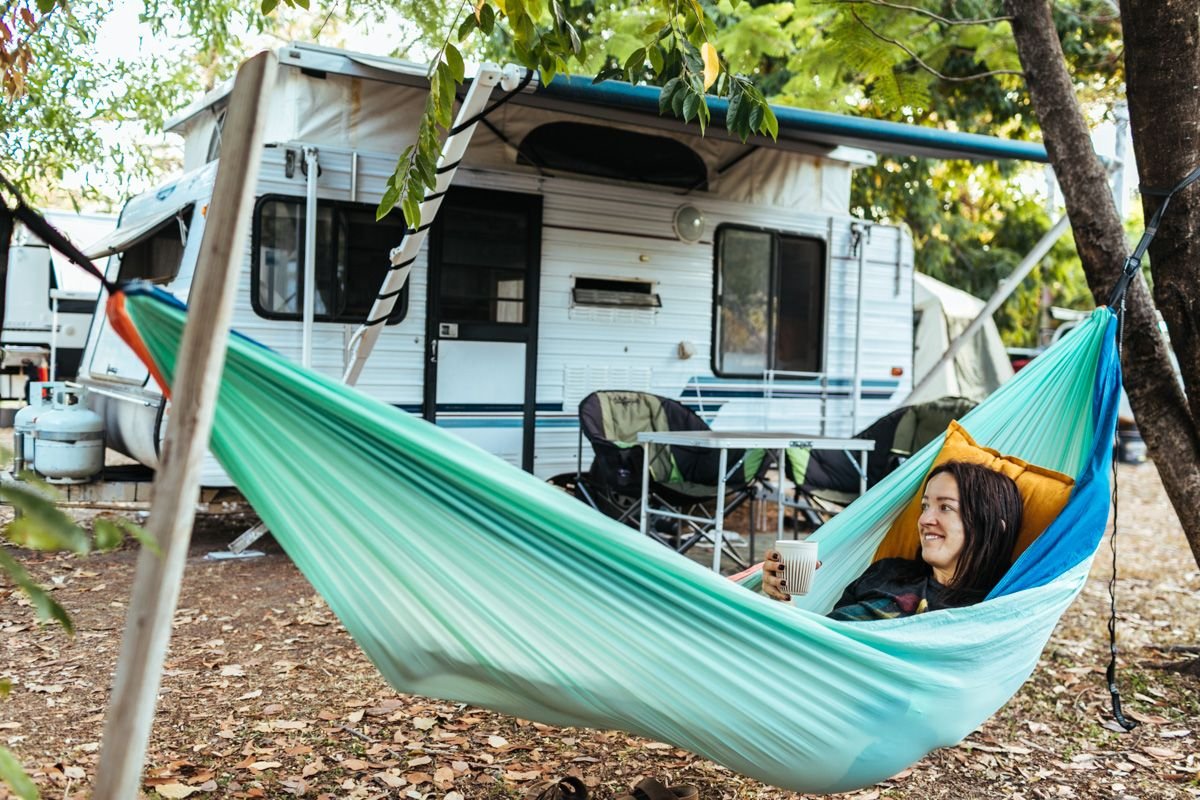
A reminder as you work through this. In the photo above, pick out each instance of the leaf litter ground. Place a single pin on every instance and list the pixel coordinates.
(264, 695)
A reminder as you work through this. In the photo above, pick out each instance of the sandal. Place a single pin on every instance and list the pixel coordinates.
(652, 789)
(567, 787)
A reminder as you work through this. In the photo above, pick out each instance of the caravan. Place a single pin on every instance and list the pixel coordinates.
(585, 243)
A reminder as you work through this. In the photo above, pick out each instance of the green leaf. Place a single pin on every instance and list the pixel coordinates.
(487, 20)
(387, 202)
(523, 55)
(40, 525)
(5, 688)
(690, 104)
(576, 44)
(677, 99)
(448, 86)
(667, 95)
(411, 206)
(47, 609)
(46, 6)
(735, 106)
(427, 168)
(12, 774)
(524, 30)
(756, 115)
(636, 59)
(107, 535)
(656, 58)
(770, 124)
(268, 6)
(605, 74)
(469, 24)
(455, 61)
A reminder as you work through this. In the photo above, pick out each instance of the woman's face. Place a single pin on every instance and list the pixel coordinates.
(940, 526)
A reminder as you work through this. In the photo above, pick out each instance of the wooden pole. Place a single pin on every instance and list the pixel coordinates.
(177, 483)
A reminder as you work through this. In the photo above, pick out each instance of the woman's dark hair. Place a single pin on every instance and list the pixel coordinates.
(991, 508)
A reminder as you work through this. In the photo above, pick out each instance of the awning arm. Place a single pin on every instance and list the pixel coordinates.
(455, 147)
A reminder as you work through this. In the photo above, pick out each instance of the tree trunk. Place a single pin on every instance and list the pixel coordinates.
(1162, 75)
(1162, 412)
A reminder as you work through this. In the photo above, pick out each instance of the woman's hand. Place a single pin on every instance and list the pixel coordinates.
(774, 586)
(772, 574)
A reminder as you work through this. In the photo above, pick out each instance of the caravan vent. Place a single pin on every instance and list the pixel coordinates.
(609, 293)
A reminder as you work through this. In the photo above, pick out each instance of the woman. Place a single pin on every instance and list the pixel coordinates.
(970, 516)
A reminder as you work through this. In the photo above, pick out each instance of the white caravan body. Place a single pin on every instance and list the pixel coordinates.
(548, 273)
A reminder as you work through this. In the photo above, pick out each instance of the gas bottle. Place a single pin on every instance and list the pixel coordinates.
(41, 398)
(70, 440)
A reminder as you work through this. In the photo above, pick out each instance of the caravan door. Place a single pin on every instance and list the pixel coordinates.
(481, 334)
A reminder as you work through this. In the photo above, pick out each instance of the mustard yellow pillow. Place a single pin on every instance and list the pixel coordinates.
(1043, 491)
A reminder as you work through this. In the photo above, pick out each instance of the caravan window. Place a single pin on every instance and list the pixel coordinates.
(352, 259)
(157, 255)
(613, 153)
(770, 302)
(482, 252)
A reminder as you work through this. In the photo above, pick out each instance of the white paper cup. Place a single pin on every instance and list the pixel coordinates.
(799, 564)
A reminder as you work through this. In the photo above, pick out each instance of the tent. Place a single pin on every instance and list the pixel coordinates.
(941, 314)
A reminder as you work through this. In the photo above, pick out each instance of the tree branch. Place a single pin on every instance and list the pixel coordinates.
(920, 62)
(926, 12)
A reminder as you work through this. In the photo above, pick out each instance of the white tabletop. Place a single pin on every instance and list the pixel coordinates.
(771, 440)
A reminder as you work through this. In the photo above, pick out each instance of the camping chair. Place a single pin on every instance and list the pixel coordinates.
(682, 479)
(826, 480)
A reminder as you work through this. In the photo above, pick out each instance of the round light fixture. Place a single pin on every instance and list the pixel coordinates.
(689, 223)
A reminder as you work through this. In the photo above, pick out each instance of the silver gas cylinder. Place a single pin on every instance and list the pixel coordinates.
(70, 440)
(41, 399)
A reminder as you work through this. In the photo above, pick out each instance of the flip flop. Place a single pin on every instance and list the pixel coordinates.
(567, 787)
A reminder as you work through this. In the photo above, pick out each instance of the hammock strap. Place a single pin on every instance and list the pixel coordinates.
(1134, 261)
(52, 236)
(1110, 673)
(118, 317)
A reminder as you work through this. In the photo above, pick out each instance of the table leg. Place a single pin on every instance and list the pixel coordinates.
(645, 485)
(862, 475)
(719, 530)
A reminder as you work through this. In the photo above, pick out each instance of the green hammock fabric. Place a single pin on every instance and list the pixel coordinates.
(466, 579)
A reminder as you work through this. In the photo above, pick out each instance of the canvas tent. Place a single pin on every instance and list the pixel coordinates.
(942, 313)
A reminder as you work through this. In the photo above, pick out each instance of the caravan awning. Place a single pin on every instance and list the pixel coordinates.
(126, 236)
(612, 99)
(802, 125)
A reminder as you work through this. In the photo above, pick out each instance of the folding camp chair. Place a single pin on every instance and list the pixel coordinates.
(681, 478)
(827, 481)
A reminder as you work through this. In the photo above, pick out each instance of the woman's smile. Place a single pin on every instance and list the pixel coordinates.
(940, 526)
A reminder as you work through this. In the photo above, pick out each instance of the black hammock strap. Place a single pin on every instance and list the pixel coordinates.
(1116, 301)
(51, 235)
(1134, 261)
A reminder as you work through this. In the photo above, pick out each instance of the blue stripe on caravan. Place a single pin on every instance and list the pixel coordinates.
(476, 422)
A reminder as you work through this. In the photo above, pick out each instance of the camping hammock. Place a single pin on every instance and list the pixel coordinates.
(464, 578)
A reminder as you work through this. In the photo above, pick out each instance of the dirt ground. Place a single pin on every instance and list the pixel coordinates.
(264, 695)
